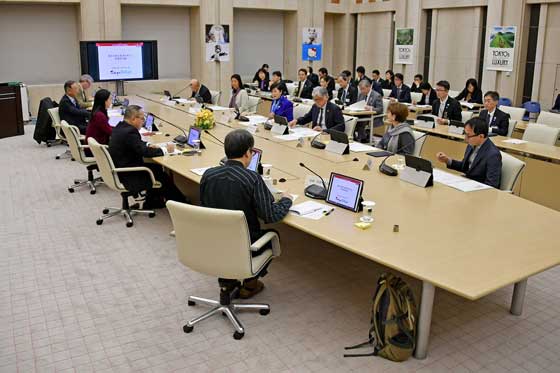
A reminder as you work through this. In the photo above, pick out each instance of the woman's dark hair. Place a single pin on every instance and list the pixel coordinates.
(265, 65)
(238, 78)
(473, 82)
(237, 142)
(99, 100)
(425, 85)
(392, 75)
(361, 70)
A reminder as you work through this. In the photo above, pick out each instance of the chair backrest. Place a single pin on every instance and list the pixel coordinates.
(419, 144)
(72, 135)
(386, 92)
(215, 96)
(511, 127)
(55, 117)
(533, 109)
(300, 110)
(386, 103)
(292, 89)
(466, 115)
(105, 165)
(550, 119)
(416, 96)
(504, 101)
(453, 93)
(511, 169)
(253, 103)
(515, 113)
(541, 134)
(350, 125)
(212, 241)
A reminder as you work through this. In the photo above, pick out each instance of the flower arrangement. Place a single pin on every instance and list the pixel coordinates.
(204, 119)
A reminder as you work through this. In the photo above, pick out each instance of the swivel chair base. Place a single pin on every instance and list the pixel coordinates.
(91, 181)
(227, 309)
(126, 210)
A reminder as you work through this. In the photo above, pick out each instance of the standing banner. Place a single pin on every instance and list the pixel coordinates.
(217, 43)
(501, 47)
(311, 49)
(404, 46)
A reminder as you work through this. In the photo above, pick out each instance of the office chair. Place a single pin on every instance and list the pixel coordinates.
(419, 143)
(215, 97)
(549, 119)
(416, 96)
(515, 113)
(511, 170)
(53, 113)
(453, 93)
(504, 101)
(253, 103)
(216, 242)
(466, 115)
(386, 93)
(511, 127)
(350, 125)
(541, 134)
(77, 150)
(110, 175)
(300, 110)
(533, 109)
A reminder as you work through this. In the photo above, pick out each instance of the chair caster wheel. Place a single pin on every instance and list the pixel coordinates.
(99, 221)
(152, 215)
(191, 303)
(105, 211)
(48, 145)
(264, 312)
(72, 159)
(92, 192)
(71, 190)
(187, 329)
(129, 224)
(237, 336)
(76, 181)
(57, 157)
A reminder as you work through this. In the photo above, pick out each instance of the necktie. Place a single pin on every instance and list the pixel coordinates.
(441, 109)
(344, 96)
(320, 122)
(398, 93)
(489, 119)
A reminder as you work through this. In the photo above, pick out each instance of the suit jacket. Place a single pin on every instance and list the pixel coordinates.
(204, 93)
(82, 99)
(377, 88)
(475, 98)
(72, 113)
(128, 150)
(314, 79)
(283, 107)
(330, 85)
(387, 84)
(264, 85)
(351, 95)
(486, 167)
(452, 109)
(282, 87)
(414, 88)
(376, 102)
(334, 120)
(431, 99)
(404, 95)
(307, 89)
(500, 121)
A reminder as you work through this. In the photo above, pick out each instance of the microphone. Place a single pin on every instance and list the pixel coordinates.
(388, 170)
(181, 139)
(214, 137)
(175, 95)
(316, 143)
(315, 191)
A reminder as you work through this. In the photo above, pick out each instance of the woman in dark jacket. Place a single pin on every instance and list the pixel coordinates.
(99, 127)
(471, 93)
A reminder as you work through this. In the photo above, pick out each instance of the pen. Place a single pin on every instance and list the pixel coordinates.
(327, 213)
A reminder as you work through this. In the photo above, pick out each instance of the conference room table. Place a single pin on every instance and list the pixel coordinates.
(469, 244)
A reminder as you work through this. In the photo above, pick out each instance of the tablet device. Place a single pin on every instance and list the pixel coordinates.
(419, 164)
(345, 191)
(338, 136)
(149, 123)
(281, 120)
(255, 160)
(194, 134)
(125, 102)
(380, 153)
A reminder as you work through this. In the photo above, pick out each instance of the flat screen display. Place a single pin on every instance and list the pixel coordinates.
(194, 134)
(345, 191)
(149, 123)
(255, 160)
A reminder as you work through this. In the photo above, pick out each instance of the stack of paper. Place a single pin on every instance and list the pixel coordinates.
(303, 131)
(359, 147)
(200, 171)
(458, 182)
(358, 106)
(515, 141)
(310, 210)
(254, 120)
(466, 104)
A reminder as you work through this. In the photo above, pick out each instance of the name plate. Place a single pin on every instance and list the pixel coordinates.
(252, 129)
(420, 178)
(456, 130)
(279, 129)
(424, 124)
(337, 148)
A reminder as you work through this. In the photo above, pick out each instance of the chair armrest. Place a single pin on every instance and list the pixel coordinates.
(268, 237)
(82, 137)
(137, 169)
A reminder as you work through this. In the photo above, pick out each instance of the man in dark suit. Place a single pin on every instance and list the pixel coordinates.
(200, 91)
(347, 93)
(324, 115)
(128, 150)
(482, 161)
(351, 80)
(313, 78)
(376, 77)
(69, 109)
(361, 74)
(400, 92)
(324, 73)
(277, 79)
(445, 108)
(418, 80)
(304, 87)
(497, 120)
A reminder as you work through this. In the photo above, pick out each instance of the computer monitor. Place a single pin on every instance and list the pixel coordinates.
(257, 155)
(345, 191)
(194, 135)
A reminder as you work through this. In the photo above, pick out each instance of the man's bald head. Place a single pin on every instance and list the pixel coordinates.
(195, 84)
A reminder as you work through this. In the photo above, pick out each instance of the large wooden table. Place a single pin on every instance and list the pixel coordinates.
(470, 244)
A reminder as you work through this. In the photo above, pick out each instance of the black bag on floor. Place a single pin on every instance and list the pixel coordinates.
(44, 130)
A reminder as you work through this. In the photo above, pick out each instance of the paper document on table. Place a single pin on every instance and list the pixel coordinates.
(359, 147)
(217, 108)
(423, 106)
(182, 100)
(458, 182)
(310, 210)
(200, 171)
(303, 132)
(290, 137)
(194, 110)
(358, 106)
(515, 141)
(254, 120)
(466, 104)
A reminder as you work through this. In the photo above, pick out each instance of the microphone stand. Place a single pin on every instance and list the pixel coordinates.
(388, 170)
(315, 191)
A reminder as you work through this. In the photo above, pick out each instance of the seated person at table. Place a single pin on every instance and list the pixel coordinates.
(239, 99)
(277, 79)
(280, 104)
(428, 94)
(400, 92)
(445, 108)
(234, 187)
(200, 90)
(313, 78)
(304, 87)
(128, 150)
(399, 136)
(84, 84)
(348, 75)
(324, 73)
(99, 127)
(262, 81)
(482, 161)
(264, 68)
(374, 102)
(418, 80)
(361, 74)
(69, 110)
(389, 81)
(376, 77)
(323, 82)
(347, 93)
(471, 93)
(497, 120)
(324, 115)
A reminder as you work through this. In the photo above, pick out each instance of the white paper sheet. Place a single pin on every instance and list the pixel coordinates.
(458, 182)
(200, 171)
(290, 137)
(466, 104)
(515, 141)
(303, 131)
(310, 210)
(358, 106)
(254, 120)
(359, 147)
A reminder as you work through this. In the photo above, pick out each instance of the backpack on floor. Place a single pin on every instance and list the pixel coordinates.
(393, 321)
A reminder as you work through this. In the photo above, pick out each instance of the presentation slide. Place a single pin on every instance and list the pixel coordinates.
(344, 191)
(118, 61)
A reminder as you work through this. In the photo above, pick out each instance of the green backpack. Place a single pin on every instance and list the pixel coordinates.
(393, 321)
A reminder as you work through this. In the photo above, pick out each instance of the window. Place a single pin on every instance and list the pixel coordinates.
(535, 10)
